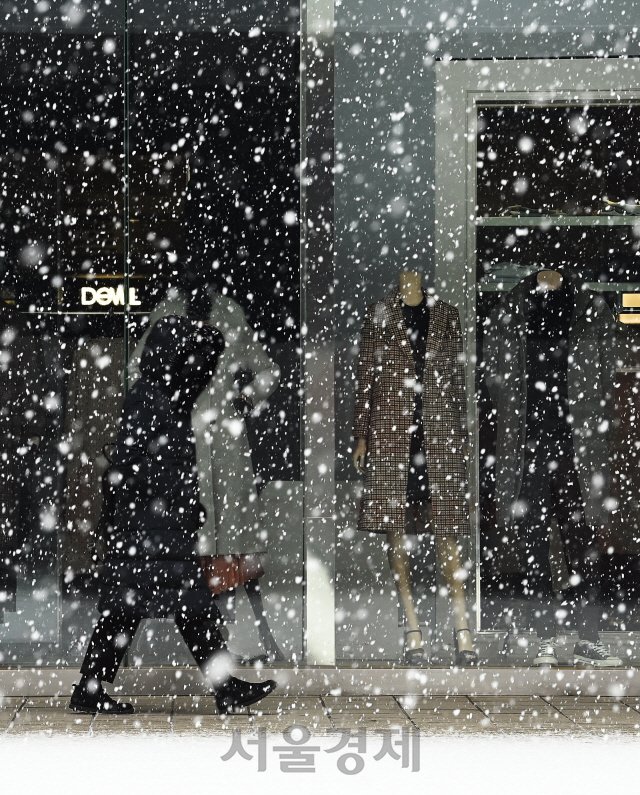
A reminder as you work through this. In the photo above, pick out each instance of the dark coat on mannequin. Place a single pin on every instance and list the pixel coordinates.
(384, 414)
(590, 377)
(152, 565)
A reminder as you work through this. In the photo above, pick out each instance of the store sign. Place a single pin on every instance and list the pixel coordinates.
(108, 296)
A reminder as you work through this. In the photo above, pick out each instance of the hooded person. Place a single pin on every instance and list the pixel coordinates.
(152, 567)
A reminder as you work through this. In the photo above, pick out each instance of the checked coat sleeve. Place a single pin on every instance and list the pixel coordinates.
(365, 377)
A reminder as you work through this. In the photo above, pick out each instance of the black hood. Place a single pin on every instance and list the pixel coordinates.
(181, 355)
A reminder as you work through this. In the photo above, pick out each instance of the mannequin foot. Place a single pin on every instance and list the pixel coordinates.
(413, 651)
(275, 655)
(547, 656)
(464, 657)
(269, 644)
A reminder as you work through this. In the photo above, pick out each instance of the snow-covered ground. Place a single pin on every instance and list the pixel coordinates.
(182, 764)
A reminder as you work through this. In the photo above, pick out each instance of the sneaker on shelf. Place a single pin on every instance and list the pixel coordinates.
(547, 655)
(594, 655)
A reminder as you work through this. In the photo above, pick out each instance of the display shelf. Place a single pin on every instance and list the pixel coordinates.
(548, 221)
(602, 287)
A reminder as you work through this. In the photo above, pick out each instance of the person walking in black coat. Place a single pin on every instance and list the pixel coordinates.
(151, 567)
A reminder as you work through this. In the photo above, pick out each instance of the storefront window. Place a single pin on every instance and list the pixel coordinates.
(547, 272)
(120, 177)
(366, 192)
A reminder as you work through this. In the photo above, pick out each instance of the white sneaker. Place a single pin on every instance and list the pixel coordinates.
(594, 655)
(546, 653)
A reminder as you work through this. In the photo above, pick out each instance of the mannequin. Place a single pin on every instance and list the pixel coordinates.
(549, 370)
(406, 478)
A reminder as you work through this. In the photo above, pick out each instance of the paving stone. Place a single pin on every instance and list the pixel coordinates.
(434, 703)
(277, 724)
(10, 703)
(131, 724)
(603, 718)
(463, 727)
(533, 724)
(279, 705)
(573, 701)
(148, 704)
(46, 702)
(513, 706)
(605, 731)
(209, 724)
(310, 707)
(360, 703)
(29, 721)
(589, 710)
(366, 722)
(196, 705)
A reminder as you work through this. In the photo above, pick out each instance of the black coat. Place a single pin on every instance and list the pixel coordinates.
(152, 568)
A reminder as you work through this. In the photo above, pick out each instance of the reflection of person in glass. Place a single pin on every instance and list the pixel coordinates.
(152, 568)
(549, 363)
(410, 431)
(233, 538)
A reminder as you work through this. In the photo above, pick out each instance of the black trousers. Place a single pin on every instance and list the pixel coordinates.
(113, 634)
(551, 490)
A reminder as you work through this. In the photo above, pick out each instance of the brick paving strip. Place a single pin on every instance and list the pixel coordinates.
(326, 715)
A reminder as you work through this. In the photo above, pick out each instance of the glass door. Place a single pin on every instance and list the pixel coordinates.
(547, 254)
(557, 191)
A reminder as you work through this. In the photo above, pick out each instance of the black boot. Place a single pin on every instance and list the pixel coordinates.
(235, 694)
(89, 697)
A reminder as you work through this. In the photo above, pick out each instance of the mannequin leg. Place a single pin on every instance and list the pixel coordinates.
(252, 588)
(451, 566)
(399, 562)
(226, 604)
(580, 542)
(532, 529)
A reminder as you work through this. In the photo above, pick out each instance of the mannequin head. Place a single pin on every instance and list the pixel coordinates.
(410, 287)
(549, 280)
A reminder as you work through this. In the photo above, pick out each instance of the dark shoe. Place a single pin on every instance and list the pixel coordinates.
(466, 657)
(235, 694)
(588, 654)
(89, 703)
(414, 656)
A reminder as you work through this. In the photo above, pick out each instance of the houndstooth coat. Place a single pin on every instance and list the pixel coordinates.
(384, 416)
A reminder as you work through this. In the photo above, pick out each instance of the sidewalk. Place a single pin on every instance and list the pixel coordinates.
(326, 715)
